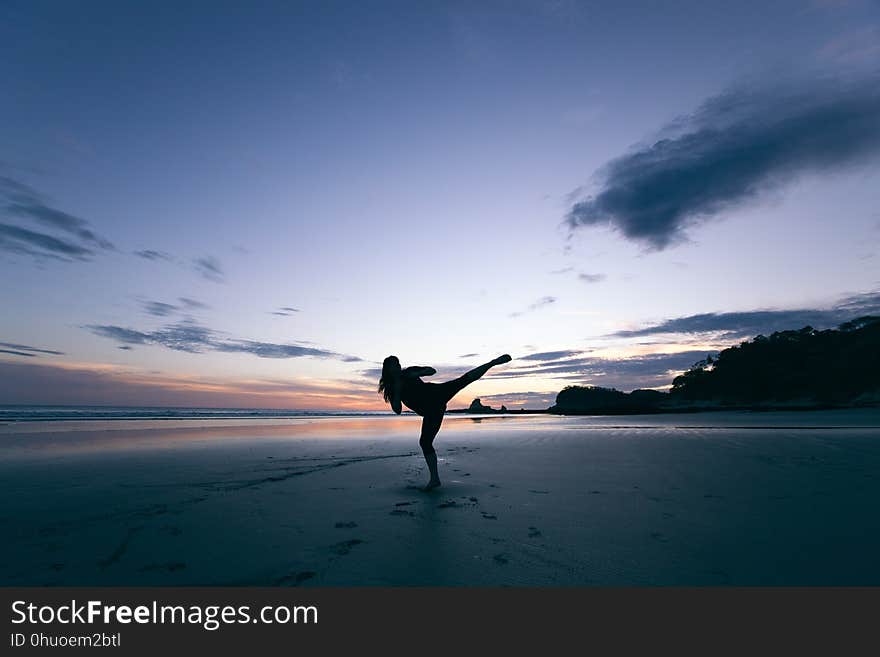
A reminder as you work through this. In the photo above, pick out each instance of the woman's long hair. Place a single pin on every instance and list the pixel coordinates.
(390, 377)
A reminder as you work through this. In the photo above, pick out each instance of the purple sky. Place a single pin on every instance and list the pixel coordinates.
(252, 204)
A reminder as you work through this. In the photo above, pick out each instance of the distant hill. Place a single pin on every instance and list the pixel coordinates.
(805, 368)
(606, 401)
(833, 367)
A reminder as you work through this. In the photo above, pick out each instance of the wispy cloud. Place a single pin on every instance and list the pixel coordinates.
(730, 150)
(540, 303)
(159, 309)
(191, 337)
(192, 304)
(284, 311)
(756, 322)
(26, 350)
(150, 254)
(162, 309)
(592, 278)
(549, 355)
(19, 202)
(210, 268)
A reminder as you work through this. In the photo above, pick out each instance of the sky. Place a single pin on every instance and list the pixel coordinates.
(252, 204)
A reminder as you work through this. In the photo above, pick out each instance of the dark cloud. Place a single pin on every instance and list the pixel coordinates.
(540, 303)
(16, 353)
(592, 278)
(149, 254)
(18, 348)
(209, 267)
(730, 150)
(20, 202)
(190, 337)
(757, 322)
(468, 355)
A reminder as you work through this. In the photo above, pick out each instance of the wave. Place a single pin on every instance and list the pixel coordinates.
(50, 413)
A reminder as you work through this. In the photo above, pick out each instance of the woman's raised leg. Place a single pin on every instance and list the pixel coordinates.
(456, 385)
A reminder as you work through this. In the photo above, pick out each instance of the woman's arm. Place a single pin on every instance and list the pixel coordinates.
(419, 371)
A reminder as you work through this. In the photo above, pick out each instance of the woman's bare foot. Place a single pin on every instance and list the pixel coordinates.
(434, 483)
(502, 359)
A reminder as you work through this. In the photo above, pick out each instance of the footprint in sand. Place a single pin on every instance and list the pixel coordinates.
(489, 516)
(294, 579)
(658, 536)
(169, 567)
(500, 559)
(448, 504)
(473, 499)
(345, 547)
(401, 512)
(403, 503)
(345, 525)
(534, 532)
(540, 492)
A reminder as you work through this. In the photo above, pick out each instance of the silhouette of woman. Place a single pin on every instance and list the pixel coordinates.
(427, 399)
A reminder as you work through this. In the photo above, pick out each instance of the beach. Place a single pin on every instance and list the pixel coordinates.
(697, 499)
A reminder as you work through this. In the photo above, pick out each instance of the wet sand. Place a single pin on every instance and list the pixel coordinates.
(707, 499)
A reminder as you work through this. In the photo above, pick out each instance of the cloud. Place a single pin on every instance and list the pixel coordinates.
(756, 322)
(18, 349)
(25, 241)
(29, 382)
(592, 278)
(149, 254)
(60, 220)
(210, 268)
(468, 355)
(20, 202)
(549, 355)
(159, 309)
(16, 353)
(517, 400)
(284, 311)
(162, 309)
(192, 304)
(734, 147)
(647, 371)
(540, 303)
(190, 337)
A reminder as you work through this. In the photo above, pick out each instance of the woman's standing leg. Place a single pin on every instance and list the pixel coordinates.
(430, 426)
